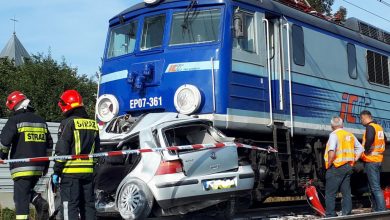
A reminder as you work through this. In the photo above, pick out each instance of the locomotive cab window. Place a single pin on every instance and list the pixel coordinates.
(298, 45)
(245, 32)
(352, 64)
(202, 27)
(122, 40)
(153, 32)
(378, 68)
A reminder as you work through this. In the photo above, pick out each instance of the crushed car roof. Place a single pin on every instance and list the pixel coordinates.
(148, 121)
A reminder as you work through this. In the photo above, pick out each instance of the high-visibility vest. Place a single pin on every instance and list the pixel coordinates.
(345, 149)
(377, 148)
(84, 134)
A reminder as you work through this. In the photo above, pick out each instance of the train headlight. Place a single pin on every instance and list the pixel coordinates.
(152, 2)
(107, 107)
(187, 99)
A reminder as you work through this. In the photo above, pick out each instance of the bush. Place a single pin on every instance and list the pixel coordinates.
(9, 214)
(42, 80)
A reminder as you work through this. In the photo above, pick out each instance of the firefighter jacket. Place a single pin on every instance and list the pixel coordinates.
(344, 150)
(76, 135)
(26, 135)
(377, 147)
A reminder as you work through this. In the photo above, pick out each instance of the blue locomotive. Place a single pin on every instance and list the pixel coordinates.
(262, 71)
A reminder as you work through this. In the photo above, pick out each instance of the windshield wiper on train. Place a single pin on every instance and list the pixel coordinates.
(188, 16)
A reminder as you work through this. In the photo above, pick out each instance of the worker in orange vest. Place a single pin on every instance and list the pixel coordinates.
(374, 141)
(342, 150)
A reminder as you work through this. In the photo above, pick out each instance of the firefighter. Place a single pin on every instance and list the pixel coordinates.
(374, 141)
(26, 135)
(77, 135)
(342, 150)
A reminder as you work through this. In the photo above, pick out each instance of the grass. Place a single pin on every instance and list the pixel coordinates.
(9, 214)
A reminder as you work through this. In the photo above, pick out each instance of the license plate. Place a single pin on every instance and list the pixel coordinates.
(217, 184)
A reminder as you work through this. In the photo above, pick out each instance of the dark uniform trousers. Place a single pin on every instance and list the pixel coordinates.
(78, 197)
(338, 179)
(77, 135)
(23, 195)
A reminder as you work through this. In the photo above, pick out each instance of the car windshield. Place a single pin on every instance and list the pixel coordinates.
(122, 39)
(196, 27)
(153, 32)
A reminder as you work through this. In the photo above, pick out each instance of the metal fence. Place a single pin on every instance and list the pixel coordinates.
(6, 183)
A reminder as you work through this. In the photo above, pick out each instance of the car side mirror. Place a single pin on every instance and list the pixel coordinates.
(239, 21)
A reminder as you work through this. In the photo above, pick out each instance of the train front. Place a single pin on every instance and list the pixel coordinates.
(164, 56)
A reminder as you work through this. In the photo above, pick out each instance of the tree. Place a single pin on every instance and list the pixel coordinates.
(43, 80)
(322, 6)
(341, 14)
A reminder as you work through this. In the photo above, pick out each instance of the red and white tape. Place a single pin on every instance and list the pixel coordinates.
(138, 151)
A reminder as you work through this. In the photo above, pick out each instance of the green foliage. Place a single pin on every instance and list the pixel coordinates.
(42, 80)
(322, 6)
(7, 214)
(341, 14)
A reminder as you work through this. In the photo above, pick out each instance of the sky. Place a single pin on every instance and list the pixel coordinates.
(373, 6)
(77, 29)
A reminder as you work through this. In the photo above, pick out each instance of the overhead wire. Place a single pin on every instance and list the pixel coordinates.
(384, 2)
(372, 13)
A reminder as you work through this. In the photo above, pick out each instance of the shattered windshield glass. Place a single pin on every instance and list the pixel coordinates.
(191, 134)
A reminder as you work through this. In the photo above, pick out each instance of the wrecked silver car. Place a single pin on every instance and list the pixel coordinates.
(166, 182)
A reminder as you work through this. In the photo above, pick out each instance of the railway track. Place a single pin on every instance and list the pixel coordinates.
(286, 211)
(366, 216)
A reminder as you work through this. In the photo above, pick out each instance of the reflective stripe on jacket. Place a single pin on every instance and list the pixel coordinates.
(26, 135)
(84, 136)
(378, 146)
(344, 151)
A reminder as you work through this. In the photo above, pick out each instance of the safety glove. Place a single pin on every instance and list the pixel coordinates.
(55, 179)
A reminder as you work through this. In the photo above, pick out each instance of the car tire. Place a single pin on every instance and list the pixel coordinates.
(135, 200)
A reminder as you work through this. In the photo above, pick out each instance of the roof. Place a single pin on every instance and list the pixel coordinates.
(139, 6)
(148, 122)
(14, 51)
(281, 9)
(314, 21)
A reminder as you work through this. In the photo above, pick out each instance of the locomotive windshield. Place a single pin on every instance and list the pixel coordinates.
(153, 32)
(199, 27)
(122, 40)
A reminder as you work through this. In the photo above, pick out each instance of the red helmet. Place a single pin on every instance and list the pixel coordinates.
(70, 99)
(13, 99)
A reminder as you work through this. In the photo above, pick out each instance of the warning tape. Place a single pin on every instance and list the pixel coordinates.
(139, 151)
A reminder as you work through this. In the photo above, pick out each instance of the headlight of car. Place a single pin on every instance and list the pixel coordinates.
(187, 99)
(107, 107)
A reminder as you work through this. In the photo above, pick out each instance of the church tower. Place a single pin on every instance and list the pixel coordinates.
(14, 50)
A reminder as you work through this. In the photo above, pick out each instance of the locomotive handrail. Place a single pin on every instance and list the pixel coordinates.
(289, 77)
(213, 83)
(269, 72)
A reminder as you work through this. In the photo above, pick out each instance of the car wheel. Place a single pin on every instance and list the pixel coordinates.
(135, 201)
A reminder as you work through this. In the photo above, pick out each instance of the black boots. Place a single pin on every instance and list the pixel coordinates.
(41, 206)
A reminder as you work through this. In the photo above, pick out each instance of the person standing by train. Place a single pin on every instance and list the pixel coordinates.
(77, 135)
(374, 141)
(342, 150)
(26, 135)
